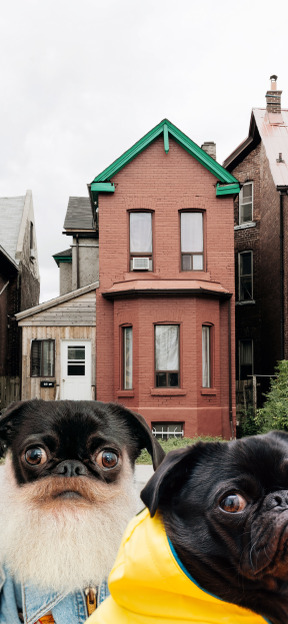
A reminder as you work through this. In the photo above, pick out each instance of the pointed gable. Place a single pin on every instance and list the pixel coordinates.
(226, 183)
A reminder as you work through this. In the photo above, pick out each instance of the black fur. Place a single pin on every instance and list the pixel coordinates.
(242, 557)
(73, 431)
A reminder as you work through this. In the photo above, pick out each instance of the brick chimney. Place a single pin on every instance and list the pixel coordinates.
(210, 148)
(273, 97)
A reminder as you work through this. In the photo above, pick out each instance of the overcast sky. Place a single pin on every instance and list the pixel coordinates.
(82, 80)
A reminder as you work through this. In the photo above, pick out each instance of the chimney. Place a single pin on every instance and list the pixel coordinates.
(273, 97)
(210, 148)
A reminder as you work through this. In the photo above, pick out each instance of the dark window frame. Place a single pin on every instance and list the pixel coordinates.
(169, 375)
(40, 364)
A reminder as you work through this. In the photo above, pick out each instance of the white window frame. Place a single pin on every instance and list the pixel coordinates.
(244, 202)
(162, 370)
(206, 356)
(127, 357)
(192, 254)
(242, 276)
(135, 252)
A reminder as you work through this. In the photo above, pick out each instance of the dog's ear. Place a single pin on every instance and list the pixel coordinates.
(9, 418)
(142, 432)
(167, 478)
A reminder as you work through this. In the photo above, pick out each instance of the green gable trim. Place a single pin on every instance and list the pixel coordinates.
(167, 128)
(166, 138)
(102, 187)
(227, 189)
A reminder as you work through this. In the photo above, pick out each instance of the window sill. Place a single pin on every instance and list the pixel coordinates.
(208, 391)
(244, 226)
(248, 302)
(168, 392)
(125, 393)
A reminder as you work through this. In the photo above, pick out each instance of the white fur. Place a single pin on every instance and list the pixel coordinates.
(65, 546)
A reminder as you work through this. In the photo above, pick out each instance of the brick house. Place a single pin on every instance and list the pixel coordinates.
(165, 302)
(260, 164)
(19, 286)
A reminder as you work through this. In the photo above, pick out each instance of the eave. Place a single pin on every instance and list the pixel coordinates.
(160, 288)
(245, 147)
(102, 182)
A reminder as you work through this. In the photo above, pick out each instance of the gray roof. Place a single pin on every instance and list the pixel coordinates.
(79, 214)
(11, 211)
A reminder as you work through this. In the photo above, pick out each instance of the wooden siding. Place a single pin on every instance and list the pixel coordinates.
(78, 311)
(31, 385)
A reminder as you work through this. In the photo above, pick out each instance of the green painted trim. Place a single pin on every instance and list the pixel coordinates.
(207, 161)
(228, 189)
(102, 187)
(166, 138)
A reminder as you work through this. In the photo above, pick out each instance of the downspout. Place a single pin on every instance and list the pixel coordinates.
(283, 190)
(230, 370)
(77, 261)
(281, 277)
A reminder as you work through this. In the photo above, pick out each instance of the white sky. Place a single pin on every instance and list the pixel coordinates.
(82, 80)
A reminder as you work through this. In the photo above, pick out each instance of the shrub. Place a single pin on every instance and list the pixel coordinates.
(274, 413)
(174, 443)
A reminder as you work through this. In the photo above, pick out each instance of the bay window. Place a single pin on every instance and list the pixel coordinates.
(167, 372)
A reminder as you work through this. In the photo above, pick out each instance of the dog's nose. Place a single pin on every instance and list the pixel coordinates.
(277, 499)
(71, 468)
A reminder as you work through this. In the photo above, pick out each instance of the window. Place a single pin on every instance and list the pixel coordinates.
(140, 241)
(166, 430)
(42, 358)
(246, 203)
(192, 241)
(76, 360)
(245, 358)
(127, 337)
(206, 356)
(166, 356)
(245, 259)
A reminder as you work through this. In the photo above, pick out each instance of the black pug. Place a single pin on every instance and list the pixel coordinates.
(67, 492)
(224, 509)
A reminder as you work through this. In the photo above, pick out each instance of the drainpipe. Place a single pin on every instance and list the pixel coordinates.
(77, 261)
(283, 191)
(230, 370)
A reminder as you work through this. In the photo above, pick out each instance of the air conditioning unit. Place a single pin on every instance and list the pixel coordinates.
(140, 264)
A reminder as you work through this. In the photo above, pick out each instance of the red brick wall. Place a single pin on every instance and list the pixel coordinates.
(166, 184)
(261, 319)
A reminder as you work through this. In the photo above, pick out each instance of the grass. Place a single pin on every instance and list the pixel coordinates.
(174, 443)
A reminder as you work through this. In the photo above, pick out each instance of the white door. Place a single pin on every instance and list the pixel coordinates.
(75, 369)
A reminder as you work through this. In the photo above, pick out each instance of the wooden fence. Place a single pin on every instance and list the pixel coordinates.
(9, 390)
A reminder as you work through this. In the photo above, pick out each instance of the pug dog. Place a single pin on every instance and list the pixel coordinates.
(67, 492)
(212, 545)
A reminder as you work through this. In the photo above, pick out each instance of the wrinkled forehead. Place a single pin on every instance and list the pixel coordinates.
(70, 422)
(262, 459)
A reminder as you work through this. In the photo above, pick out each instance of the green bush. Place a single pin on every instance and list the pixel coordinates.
(174, 443)
(274, 413)
(248, 423)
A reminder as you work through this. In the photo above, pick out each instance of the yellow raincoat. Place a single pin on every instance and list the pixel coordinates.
(149, 586)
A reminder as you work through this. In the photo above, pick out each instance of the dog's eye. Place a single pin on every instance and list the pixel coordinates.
(233, 503)
(107, 459)
(35, 456)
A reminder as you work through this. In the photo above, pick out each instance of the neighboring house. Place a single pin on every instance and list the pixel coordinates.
(260, 164)
(165, 302)
(79, 264)
(58, 347)
(19, 286)
(58, 336)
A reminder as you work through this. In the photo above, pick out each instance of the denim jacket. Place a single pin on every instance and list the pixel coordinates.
(34, 603)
